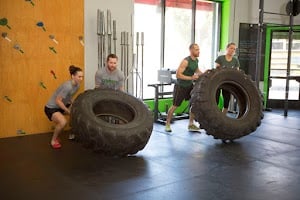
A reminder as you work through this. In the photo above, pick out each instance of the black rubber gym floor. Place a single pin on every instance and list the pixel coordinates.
(181, 165)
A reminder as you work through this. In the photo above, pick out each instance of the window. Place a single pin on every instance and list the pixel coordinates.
(277, 45)
(206, 32)
(178, 31)
(278, 66)
(295, 45)
(152, 40)
(174, 25)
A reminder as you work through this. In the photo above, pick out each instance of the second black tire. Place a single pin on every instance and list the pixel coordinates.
(208, 114)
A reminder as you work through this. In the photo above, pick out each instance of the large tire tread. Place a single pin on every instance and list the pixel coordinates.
(111, 139)
(207, 113)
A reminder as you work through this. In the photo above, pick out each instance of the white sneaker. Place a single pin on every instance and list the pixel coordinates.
(193, 128)
(168, 128)
(71, 136)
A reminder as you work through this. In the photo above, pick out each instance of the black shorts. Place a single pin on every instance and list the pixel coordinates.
(49, 111)
(180, 94)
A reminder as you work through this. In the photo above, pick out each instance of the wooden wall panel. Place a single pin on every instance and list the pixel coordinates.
(26, 81)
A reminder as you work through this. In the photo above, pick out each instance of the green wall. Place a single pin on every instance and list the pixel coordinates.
(165, 104)
(225, 22)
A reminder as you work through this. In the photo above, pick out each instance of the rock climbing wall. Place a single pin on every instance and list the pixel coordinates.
(39, 41)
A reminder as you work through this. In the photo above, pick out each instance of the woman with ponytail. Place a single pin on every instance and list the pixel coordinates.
(60, 102)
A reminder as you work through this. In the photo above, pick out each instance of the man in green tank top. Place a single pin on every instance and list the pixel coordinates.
(187, 72)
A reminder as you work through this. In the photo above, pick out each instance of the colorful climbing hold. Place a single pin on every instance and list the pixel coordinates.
(52, 49)
(7, 98)
(21, 132)
(81, 40)
(43, 85)
(52, 37)
(4, 35)
(41, 24)
(17, 47)
(31, 2)
(4, 22)
(53, 73)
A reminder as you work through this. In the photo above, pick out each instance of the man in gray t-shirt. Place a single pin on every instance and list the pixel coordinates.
(110, 76)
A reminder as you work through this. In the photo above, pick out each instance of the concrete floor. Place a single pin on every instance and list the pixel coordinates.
(181, 165)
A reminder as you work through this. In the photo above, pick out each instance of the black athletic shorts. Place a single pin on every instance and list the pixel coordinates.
(180, 94)
(49, 111)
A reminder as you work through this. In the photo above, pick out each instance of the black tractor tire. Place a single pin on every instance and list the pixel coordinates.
(208, 114)
(111, 122)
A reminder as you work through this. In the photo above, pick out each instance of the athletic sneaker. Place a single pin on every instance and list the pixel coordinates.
(56, 144)
(193, 128)
(168, 128)
(71, 136)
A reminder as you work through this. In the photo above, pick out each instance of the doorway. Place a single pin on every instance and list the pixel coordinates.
(278, 69)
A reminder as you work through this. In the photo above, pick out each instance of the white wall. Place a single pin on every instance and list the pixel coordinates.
(243, 11)
(121, 11)
(247, 11)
